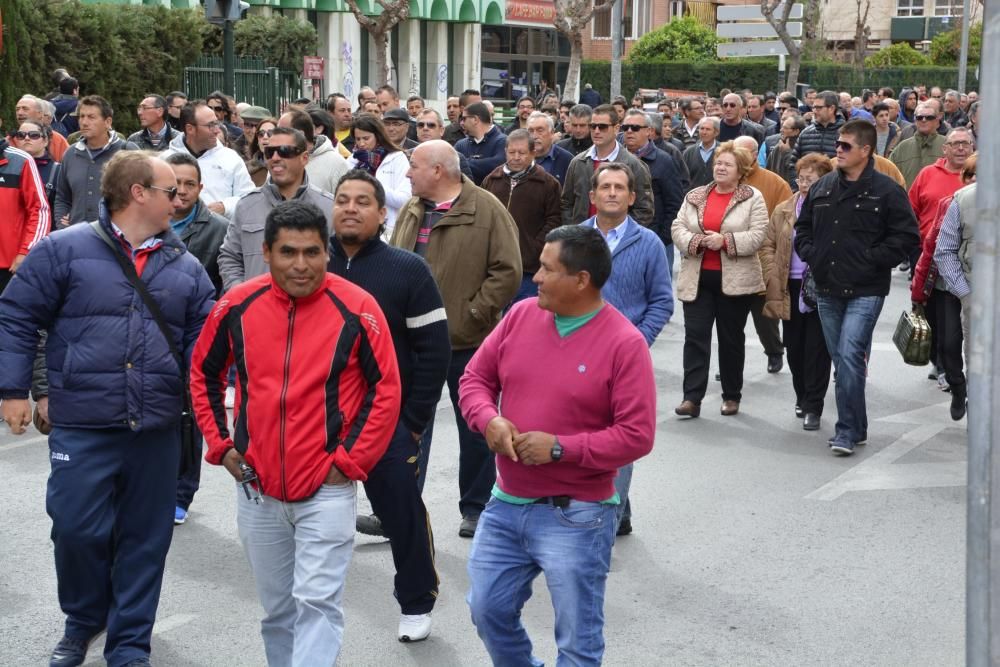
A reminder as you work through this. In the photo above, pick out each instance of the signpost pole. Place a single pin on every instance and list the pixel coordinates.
(616, 48)
(228, 56)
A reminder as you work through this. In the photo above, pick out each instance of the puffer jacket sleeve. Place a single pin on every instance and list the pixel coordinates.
(748, 242)
(683, 230)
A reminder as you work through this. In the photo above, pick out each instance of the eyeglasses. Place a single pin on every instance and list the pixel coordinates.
(958, 144)
(284, 151)
(214, 125)
(924, 118)
(31, 134)
(632, 128)
(845, 146)
(600, 126)
(817, 107)
(265, 133)
(431, 126)
(216, 109)
(171, 192)
(729, 105)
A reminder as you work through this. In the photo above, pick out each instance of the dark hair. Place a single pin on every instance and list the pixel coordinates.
(525, 98)
(255, 150)
(886, 91)
(863, 131)
(581, 111)
(415, 98)
(613, 166)
(68, 85)
(607, 110)
(522, 135)
(187, 115)
(302, 122)
(331, 101)
(294, 133)
(368, 122)
(219, 96)
(388, 89)
(301, 102)
(363, 175)
(297, 215)
(880, 107)
(583, 249)
(830, 98)
(324, 118)
(177, 94)
(463, 99)
(100, 103)
(789, 99)
(185, 159)
(480, 111)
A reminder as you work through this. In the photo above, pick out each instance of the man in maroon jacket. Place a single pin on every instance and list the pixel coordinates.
(318, 398)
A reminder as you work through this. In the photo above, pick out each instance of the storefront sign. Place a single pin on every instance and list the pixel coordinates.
(530, 12)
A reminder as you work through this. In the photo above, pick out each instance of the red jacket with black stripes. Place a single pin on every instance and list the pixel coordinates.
(317, 383)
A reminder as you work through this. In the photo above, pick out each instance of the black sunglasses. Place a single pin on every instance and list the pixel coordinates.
(171, 192)
(421, 125)
(215, 108)
(284, 151)
(31, 134)
(924, 117)
(600, 126)
(845, 146)
(632, 128)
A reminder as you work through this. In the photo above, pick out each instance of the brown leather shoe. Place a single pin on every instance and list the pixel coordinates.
(688, 409)
(730, 408)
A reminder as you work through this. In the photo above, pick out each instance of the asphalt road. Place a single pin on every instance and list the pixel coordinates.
(753, 545)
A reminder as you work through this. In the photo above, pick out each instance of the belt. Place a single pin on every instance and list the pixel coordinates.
(556, 501)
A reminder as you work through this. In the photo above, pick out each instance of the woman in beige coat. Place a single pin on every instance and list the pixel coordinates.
(802, 332)
(718, 230)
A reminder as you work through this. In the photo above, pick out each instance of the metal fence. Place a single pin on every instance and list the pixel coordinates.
(256, 83)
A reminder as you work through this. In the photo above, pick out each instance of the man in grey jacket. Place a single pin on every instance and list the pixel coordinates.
(286, 156)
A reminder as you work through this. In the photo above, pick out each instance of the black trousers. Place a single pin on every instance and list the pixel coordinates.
(477, 472)
(767, 329)
(946, 332)
(5, 276)
(808, 358)
(931, 313)
(392, 490)
(729, 314)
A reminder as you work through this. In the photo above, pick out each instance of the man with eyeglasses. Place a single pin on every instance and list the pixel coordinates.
(455, 132)
(155, 134)
(821, 136)
(430, 127)
(115, 442)
(733, 124)
(223, 171)
(78, 192)
(485, 144)
(175, 102)
(524, 108)
(285, 156)
(576, 201)
(943, 127)
(924, 147)
(692, 110)
(855, 226)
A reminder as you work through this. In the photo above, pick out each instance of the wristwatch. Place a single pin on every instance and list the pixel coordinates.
(557, 451)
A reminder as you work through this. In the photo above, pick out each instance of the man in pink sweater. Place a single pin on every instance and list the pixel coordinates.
(579, 402)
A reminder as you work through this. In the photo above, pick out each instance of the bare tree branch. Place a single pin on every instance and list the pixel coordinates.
(379, 27)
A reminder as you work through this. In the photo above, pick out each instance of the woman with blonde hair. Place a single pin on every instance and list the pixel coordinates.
(784, 274)
(718, 231)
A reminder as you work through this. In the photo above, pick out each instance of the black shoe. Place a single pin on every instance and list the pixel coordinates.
(958, 402)
(139, 662)
(718, 377)
(798, 412)
(810, 422)
(70, 652)
(624, 528)
(369, 524)
(933, 375)
(905, 266)
(775, 362)
(468, 526)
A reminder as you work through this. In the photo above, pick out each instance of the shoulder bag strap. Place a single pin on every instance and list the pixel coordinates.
(129, 269)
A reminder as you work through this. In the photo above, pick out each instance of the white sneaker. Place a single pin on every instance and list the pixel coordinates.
(414, 628)
(230, 397)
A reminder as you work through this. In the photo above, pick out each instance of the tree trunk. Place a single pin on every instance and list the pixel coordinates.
(794, 63)
(575, 57)
(381, 57)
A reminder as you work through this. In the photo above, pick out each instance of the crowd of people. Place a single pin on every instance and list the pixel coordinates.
(306, 281)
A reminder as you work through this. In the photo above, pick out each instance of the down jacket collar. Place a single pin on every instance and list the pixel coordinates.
(699, 198)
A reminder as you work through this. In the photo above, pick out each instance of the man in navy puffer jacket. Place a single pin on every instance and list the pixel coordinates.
(115, 400)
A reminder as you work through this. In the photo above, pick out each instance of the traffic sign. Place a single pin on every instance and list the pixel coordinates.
(747, 30)
(753, 13)
(748, 49)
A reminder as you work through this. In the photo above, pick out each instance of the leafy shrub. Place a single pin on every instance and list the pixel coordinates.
(899, 54)
(682, 39)
(946, 47)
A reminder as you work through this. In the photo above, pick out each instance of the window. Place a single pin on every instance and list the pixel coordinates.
(636, 21)
(676, 9)
(947, 7)
(601, 22)
(910, 7)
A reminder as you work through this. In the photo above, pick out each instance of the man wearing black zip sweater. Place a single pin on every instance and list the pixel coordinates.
(404, 288)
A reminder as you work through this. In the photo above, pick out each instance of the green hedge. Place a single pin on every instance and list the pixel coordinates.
(120, 52)
(761, 74)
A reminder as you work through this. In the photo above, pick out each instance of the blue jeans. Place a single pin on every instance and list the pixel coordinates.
(513, 545)
(848, 325)
(299, 553)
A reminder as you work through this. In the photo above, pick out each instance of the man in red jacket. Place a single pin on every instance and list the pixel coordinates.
(317, 401)
(27, 217)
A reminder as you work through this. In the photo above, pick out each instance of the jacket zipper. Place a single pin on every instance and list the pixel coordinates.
(284, 391)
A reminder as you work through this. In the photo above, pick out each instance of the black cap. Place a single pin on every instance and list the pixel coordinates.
(396, 114)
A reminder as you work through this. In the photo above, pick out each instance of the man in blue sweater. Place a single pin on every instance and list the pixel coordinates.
(404, 287)
(484, 144)
(639, 286)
